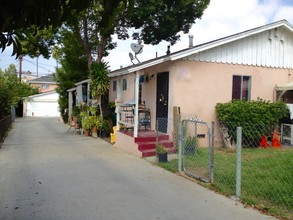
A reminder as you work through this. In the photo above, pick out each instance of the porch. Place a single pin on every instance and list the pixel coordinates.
(144, 145)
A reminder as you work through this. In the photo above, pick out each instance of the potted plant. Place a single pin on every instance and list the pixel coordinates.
(87, 124)
(75, 113)
(105, 130)
(162, 153)
(96, 125)
(190, 145)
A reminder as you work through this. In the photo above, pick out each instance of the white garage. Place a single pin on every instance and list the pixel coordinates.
(42, 105)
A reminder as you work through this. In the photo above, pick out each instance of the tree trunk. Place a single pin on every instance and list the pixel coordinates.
(84, 41)
(101, 48)
(100, 106)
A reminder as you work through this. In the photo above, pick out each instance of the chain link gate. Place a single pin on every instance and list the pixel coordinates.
(197, 150)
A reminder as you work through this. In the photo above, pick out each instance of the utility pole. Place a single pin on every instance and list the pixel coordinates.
(20, 67)
(38, 54)
(37, 66)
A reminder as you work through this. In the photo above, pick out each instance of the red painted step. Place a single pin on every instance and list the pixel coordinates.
(146, 142)
(152, 145)
(152, 152)
(151, 138)
(148, 149)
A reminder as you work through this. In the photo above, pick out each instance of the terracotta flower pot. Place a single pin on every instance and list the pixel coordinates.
(86, 133)
(95, 132)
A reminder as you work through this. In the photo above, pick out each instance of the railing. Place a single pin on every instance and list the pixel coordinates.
(126, 112)
(5, 124)
(127, 117)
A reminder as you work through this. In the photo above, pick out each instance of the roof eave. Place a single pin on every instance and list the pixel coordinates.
(83, 81)
(139, 67)
(71, 89)
(226, 40)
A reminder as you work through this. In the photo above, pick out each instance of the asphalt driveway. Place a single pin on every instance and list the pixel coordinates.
(46, 173)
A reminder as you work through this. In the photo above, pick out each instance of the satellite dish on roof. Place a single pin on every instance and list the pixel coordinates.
(136, 48)
(131, 57)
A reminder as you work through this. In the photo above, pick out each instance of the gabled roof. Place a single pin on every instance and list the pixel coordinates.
(41, 94)
(72, 89)
(199, 48)
(49, 79)
(83, 81)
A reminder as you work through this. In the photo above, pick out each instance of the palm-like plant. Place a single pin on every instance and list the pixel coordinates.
(99, 81)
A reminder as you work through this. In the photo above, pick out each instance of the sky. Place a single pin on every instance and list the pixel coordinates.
(220, 19)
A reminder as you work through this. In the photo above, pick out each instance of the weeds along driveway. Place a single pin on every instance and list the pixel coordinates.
(46, 173)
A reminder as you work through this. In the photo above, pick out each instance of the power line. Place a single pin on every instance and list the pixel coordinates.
(37, 65)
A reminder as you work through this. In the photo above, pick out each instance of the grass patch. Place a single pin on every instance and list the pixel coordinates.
(267, 176)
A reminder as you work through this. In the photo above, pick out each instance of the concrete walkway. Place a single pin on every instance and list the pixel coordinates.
(46, 173)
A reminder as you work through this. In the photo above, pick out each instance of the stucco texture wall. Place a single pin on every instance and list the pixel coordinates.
(198, 86)
(126, 95)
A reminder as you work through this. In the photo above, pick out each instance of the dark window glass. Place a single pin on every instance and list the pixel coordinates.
(124, 87)
(241, 87)
(236, 87)
(114, 85)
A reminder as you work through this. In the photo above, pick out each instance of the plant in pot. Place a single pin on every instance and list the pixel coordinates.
(87, 124)
(75, 113)
(105, 130)
(96, 125)
(161, 153)
(190, 145)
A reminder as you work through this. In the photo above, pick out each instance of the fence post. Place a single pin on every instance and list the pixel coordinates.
(157, 132)
(212, 153)
(238, 162)
(179, 143)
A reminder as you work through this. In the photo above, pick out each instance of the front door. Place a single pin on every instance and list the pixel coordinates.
(162, 101)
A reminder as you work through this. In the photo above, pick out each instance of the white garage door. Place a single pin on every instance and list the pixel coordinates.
(43, 109)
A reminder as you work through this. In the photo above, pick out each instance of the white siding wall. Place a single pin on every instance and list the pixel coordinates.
(272, 48)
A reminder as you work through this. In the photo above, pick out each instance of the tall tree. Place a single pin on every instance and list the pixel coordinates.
(154, 20)
(74, 68)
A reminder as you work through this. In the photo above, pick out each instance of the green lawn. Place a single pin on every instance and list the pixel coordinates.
(267, 176)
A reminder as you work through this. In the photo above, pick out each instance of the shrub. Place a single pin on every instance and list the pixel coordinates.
(160, 149)
(256, 118)
(75, 110)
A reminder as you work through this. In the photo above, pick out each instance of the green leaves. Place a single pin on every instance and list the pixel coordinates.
(11, 90)
(162, 20)
(99, 79)
(256, 118)
(7, 39)
(17, 16)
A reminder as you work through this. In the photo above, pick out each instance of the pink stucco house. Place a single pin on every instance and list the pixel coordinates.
(245, 65)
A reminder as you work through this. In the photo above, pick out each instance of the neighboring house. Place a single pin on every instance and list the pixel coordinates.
(246, 65)
(44, 83)
(78, 94)
(42, 105)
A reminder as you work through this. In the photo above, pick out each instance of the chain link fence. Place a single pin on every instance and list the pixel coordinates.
(197, 149)
(265, 160)
(266, 166)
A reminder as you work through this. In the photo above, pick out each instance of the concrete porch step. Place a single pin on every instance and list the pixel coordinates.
(152, 152)
(152, 145)
(151, 138)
